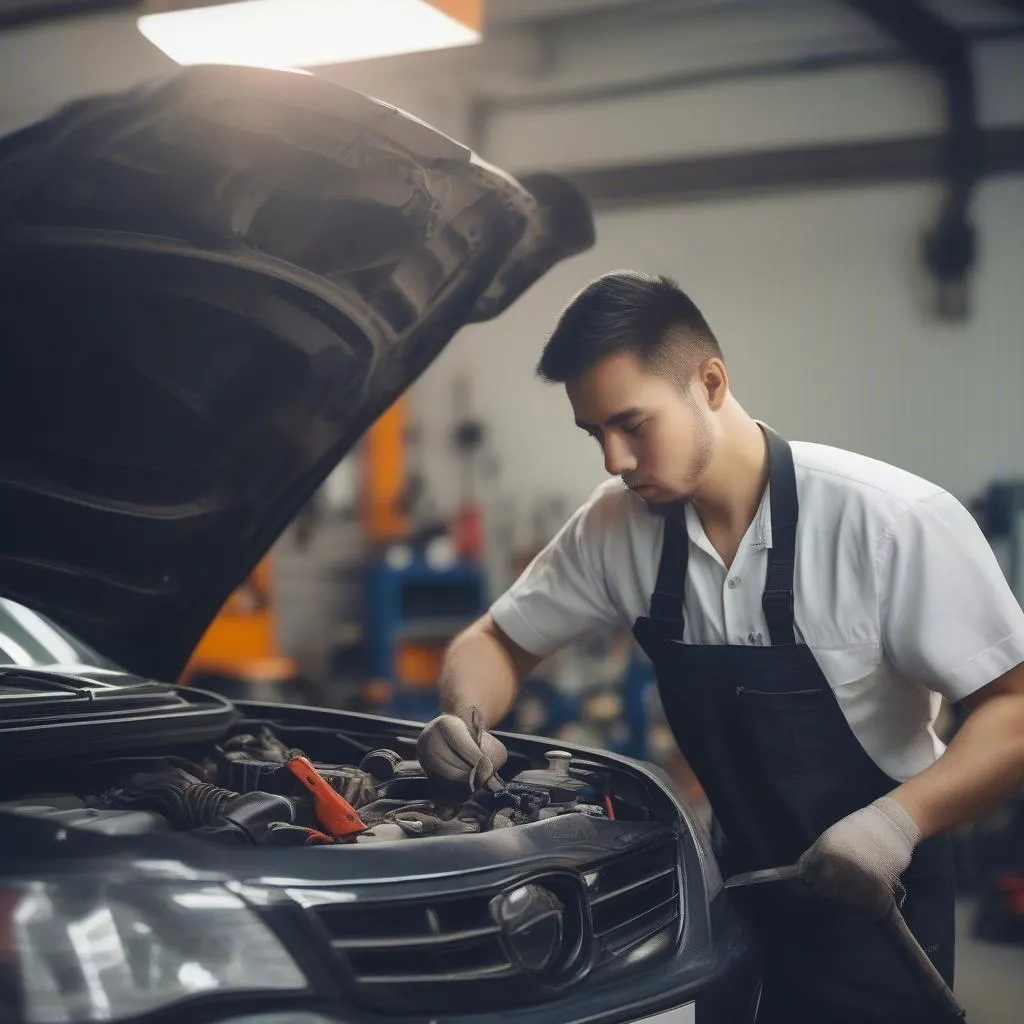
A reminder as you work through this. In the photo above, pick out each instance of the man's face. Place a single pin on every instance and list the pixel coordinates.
(655, 436)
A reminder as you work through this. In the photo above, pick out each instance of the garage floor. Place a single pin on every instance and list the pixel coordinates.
(989, 976)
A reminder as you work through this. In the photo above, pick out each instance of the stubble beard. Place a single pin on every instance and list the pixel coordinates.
(703, 451)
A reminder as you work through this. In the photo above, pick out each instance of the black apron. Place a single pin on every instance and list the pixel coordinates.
(765, 735)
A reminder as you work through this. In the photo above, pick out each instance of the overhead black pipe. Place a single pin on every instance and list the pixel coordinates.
(950, 247)
(842, 165)
(676, 81)
(21, 13)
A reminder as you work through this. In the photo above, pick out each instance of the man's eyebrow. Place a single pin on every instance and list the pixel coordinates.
(612, 421)
(621, 417)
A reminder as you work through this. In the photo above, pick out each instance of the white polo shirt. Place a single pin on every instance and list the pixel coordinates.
(897, 593)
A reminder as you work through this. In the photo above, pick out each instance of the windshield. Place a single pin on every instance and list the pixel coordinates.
(30, 640)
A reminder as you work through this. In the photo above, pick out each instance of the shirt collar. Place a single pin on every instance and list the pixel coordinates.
(762, 535)
(759, 533)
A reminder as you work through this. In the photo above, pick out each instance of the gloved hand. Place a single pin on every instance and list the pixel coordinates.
(457, 750)
(859, 859)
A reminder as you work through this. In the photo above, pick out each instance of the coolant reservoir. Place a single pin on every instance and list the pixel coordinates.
(555, 778)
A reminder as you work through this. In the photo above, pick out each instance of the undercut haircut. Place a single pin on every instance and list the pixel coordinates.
(625, 311)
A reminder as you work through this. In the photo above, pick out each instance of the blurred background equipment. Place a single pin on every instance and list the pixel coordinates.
(991, 852)
(1000, 513)
(239, 655)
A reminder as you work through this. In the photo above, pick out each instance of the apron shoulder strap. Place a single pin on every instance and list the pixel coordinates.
(777, 600)
(669, 591)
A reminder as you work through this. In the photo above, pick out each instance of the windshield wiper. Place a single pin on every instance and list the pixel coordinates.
(40, 680)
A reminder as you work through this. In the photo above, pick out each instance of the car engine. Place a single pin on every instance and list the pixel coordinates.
(256, 789)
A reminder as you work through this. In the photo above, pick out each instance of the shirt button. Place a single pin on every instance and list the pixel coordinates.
(755, 638)
(734, 582)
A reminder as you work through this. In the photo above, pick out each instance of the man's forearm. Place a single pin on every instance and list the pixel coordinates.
(478, 672)
(983, 765)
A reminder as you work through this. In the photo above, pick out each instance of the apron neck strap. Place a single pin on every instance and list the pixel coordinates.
(777, 600)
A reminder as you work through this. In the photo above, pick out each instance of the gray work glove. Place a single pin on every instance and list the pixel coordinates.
(859, 859)
(452, 749)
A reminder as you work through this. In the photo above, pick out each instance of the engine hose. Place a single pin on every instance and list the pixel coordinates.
(182, 799)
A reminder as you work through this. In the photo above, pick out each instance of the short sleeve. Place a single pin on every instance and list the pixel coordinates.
(948, 616)
(563, 594)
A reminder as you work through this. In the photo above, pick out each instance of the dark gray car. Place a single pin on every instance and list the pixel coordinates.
(209, 288)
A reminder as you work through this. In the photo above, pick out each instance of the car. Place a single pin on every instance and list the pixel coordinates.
(210, 286)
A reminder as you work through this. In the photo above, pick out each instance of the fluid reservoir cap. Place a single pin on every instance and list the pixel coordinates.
(558, 762)
(555, 778)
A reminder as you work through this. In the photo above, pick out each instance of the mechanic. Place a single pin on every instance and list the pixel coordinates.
(805, 610)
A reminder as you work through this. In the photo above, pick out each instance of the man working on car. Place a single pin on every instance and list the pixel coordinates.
(805, 609)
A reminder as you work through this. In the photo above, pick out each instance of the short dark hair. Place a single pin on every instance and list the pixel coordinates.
(625, 311)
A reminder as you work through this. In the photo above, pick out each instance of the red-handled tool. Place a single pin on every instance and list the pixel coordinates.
(337, 817)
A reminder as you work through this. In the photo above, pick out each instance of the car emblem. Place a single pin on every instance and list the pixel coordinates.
(532, 923)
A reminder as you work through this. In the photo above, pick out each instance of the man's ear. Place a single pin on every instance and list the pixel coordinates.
(714, 381)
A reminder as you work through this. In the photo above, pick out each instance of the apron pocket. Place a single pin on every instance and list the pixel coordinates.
(787, 730)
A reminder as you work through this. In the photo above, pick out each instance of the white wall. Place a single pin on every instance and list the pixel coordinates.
(818, 303)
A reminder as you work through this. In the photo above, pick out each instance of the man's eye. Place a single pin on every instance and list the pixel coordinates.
(635, 429)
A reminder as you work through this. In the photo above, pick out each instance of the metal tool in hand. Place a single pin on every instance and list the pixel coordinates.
(892, 923)
(476, 728)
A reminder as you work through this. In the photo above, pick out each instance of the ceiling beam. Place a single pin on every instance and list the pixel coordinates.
(846, 165)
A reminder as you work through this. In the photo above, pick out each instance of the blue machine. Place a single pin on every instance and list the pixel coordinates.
(417, 604)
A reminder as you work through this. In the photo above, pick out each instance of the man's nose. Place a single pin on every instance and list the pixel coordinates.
(618, 459)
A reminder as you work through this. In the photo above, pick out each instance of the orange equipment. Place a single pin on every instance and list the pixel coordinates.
(384, 481)
(241, 642)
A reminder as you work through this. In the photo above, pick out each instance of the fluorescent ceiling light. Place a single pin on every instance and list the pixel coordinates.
(306, 33)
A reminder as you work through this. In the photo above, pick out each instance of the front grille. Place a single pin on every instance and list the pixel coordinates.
(444, 954)
(447, 941)
(634, 898)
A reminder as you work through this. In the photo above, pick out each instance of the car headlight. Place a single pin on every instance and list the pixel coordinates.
(85, 949)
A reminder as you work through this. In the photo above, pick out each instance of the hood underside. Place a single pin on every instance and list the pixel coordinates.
(209, 288)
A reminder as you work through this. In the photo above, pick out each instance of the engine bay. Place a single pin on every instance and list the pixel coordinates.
(265, 785)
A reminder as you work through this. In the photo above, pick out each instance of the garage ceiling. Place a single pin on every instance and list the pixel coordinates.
(511, 14)
(499, 12)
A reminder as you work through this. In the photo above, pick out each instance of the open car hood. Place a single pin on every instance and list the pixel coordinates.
(209, 288)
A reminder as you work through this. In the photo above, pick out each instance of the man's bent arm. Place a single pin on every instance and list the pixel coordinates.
(983, 765)
(483, 668)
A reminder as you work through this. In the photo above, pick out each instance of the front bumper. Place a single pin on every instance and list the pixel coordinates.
(694, 987)
(712, 977)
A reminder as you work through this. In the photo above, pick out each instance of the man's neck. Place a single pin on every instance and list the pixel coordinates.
(734, 483)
